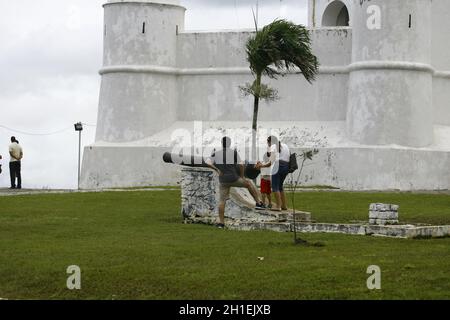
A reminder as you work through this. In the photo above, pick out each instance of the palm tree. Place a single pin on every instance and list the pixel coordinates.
(273, 51)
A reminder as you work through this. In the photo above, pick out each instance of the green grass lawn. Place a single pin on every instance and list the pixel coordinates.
(132, 245)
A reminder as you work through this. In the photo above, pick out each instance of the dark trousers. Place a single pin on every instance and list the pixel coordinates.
(14, 172)
(279, 178)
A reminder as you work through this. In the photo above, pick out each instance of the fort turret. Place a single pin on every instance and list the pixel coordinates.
(390, 85)
(138, 91)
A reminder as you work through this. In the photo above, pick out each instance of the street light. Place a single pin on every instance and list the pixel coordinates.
(79, 127)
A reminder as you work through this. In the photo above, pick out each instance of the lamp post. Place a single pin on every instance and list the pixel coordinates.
(79, 128)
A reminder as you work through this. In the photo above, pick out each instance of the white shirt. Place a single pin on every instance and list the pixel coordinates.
(266, 171)
(284, 155)
(16, 150)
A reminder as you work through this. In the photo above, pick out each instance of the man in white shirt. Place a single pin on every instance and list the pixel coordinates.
(16, 155)
(279, 164)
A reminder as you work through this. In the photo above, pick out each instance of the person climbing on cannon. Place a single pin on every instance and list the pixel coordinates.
(231, 169)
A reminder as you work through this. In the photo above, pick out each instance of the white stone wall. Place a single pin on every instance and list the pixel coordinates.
(316, 10)
(214, 66)
(346, 168)
(441, 61)
(441, 99)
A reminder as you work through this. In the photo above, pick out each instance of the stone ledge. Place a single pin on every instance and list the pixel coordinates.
(399, 231)
(383, 207)
(383, 222)
(300, 216)
(386, 215)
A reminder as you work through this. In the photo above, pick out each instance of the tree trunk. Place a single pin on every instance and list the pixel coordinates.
(254, 155)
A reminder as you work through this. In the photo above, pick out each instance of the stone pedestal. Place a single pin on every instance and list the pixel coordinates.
(383, 214)
(199, 192)
(200, 195)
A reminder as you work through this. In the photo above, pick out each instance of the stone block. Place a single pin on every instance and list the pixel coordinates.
(383, 207)
(383, 222)
(300, 216)
(384, 215)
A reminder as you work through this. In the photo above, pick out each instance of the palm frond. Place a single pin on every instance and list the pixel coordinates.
(280, 47)
(262, 91)
(255, 20)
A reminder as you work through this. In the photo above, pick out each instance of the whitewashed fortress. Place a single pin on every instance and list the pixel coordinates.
(381, 100)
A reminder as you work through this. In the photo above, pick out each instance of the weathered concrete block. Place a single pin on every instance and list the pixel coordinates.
(431, 232)
(300, 216)
(200, 195)
(354, 229)
(383, 214)
(383, 207)
(198, 192)
(383, 222)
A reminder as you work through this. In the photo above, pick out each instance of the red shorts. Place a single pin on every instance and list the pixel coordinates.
(265, 186)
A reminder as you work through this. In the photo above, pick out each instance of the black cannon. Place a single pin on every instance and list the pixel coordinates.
(198, 162)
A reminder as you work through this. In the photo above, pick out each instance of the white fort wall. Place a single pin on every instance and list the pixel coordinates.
(387, 91)
(441, 60)
(214, 66)
(323, 13)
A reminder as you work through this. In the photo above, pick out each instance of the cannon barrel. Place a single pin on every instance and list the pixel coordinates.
(198, 162)
(186, 161)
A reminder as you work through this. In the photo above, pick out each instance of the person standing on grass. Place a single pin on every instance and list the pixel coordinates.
(279, 164)
(16, 155)
(227, 163)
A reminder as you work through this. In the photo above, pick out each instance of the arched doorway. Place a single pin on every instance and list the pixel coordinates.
(336, 15)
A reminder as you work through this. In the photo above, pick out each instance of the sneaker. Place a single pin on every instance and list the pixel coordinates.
(220, 226)
(260, 206)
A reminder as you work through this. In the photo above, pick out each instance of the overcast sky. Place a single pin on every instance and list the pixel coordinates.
(50, 54)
